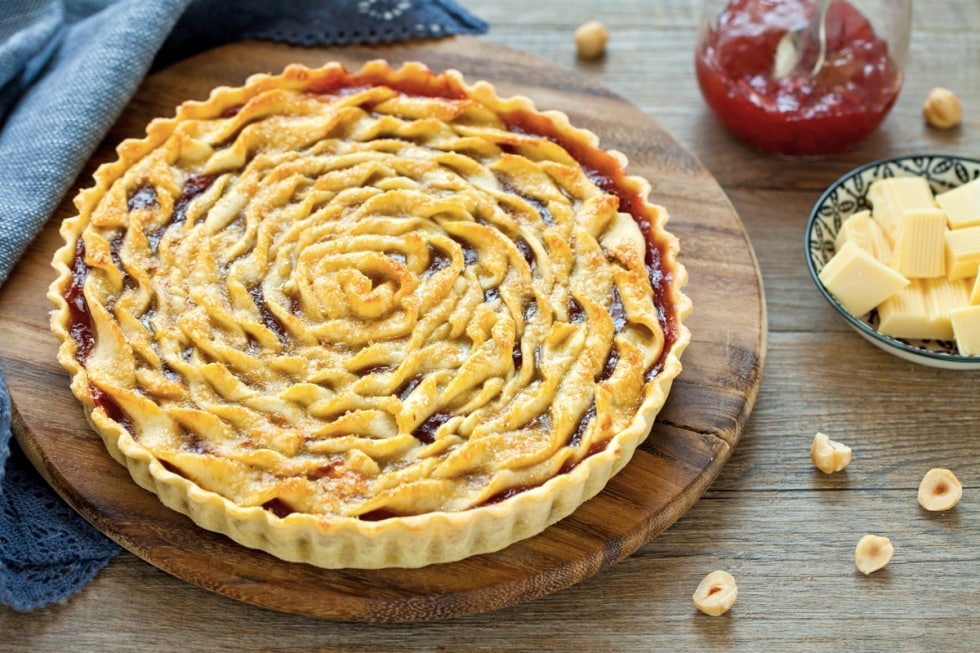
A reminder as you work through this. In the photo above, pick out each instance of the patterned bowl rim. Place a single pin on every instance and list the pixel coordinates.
(964, 168)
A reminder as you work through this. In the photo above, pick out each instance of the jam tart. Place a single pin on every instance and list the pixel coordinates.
(373, 318)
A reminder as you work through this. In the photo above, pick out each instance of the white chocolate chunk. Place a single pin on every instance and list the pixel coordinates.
(858, 280)
(962, 252)
(904, 315)
(866, 234)
(962, 205)
(942, 298)
(892, 197)
(919, 245)
(921, 310)
(966, 329)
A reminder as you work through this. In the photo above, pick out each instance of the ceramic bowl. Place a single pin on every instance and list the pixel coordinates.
(848, 195)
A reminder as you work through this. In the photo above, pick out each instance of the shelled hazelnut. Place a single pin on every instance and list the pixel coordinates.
(716, 593)
(591, 39)
(939, 490)
(828, 455)
(942, 109)
(872, 553)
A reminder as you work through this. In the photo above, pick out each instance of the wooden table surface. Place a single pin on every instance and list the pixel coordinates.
(784, 530)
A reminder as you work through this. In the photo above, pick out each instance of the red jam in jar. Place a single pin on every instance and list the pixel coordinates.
(797, 114)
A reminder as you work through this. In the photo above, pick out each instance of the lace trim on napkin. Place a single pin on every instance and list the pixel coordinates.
(47, 552)
(315, 22)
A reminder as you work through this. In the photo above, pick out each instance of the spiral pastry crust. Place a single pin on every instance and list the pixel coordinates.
(372, 318)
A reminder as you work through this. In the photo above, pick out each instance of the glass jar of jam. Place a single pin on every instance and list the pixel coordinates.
(756, 60)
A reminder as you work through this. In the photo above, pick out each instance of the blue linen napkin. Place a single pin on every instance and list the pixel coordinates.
(67, 70)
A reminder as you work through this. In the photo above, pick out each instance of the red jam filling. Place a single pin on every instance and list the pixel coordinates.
(278, 507)
(112, 410)
(79, 318)
(797, 114)
(606, 173)
(194, 186)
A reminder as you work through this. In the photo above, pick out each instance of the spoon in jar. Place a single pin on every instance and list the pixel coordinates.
(789, 50)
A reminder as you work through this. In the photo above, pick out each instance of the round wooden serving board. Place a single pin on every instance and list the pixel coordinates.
(693, 438)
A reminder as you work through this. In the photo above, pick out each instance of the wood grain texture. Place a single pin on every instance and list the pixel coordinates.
(785, 531)
(694, 436)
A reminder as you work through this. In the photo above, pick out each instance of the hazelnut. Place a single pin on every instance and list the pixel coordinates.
(716, 593)
(829, 456)
(872, 553)
(591, 39)
(942, 108)
(939, 490)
